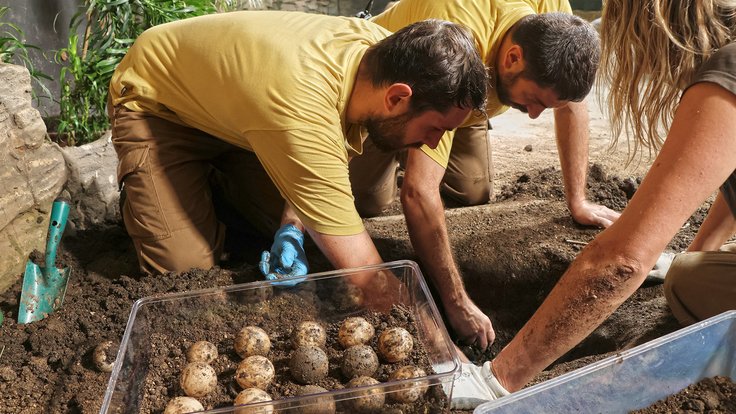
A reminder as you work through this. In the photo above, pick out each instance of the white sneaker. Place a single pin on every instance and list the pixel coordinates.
(659, 271)
(474, 386)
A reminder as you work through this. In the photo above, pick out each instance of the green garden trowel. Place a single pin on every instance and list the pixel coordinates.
(44, 287)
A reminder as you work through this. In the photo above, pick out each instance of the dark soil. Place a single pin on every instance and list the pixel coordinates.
(510, 253)
(715, 395)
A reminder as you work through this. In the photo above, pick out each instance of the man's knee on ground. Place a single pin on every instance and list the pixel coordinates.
(155, 261)
(179, 252)
(372, 205)
(678, 274)
(467, 192)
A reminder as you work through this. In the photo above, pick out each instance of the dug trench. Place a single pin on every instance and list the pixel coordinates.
(510, 253)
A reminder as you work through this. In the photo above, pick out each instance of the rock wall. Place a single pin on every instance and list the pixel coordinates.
(32, 174)
(309, 6)
(331, 7)
(92, 185)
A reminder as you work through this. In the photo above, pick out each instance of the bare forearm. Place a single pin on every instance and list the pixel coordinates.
(571, 131)
(347, 251)
(428, 234)
(425, 218)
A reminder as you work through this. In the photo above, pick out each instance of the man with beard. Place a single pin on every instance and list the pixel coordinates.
(268, 107)
(536, 61)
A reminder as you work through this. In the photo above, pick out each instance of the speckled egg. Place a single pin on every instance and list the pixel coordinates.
(368, 400)
(412, 391)
(395, 344)
(308, 333)
(252, 340)
(355, 331)
(256, 371)
(308, 364)
(359, 360)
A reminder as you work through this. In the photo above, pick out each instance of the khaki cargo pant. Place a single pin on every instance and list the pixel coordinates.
(168, 172)
(468, 179)
(699, 285)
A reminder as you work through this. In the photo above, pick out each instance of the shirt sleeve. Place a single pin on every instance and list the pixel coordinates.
(310, 169)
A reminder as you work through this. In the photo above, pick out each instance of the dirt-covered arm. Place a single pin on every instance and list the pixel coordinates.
(571, 131)
(717, 227)
(425, 219)
(695, 160)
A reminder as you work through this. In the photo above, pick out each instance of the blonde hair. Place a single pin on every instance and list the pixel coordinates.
(651, 50)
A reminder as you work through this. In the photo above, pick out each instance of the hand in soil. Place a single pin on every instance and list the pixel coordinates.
(470, 324)
(591, 214)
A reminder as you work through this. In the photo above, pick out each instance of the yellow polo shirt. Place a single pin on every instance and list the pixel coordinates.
(487, 20)
(549, 6)
(276, 83)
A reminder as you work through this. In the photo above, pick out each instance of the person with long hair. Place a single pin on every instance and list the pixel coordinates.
(671, 68)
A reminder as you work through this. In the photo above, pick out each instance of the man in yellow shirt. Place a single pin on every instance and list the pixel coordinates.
(270, 106)
(536, 61)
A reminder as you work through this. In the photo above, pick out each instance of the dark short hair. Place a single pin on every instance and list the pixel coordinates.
(561, 52)
(437, 59)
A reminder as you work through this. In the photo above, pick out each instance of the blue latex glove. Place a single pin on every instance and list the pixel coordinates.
(287, 259)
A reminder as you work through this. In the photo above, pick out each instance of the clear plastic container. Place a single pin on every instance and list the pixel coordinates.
(635, 378)
(391, 283)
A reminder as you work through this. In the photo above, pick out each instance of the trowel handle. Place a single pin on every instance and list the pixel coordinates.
(57, 223)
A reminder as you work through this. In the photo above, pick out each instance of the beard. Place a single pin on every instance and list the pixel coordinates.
(505, 83)
(388, 134)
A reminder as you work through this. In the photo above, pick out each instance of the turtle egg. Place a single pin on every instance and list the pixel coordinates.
(252, 340)
(198, 379)
(308, 333)
(359, 360)
(252, 396)
(355, 331)
(308, 364)
(202, 351)
(395, 344)
(412, 391)
(256, 371)
(183, 405)
(368, 400)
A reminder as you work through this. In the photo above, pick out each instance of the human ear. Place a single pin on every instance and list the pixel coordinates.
(397, 95)
(513, 61)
